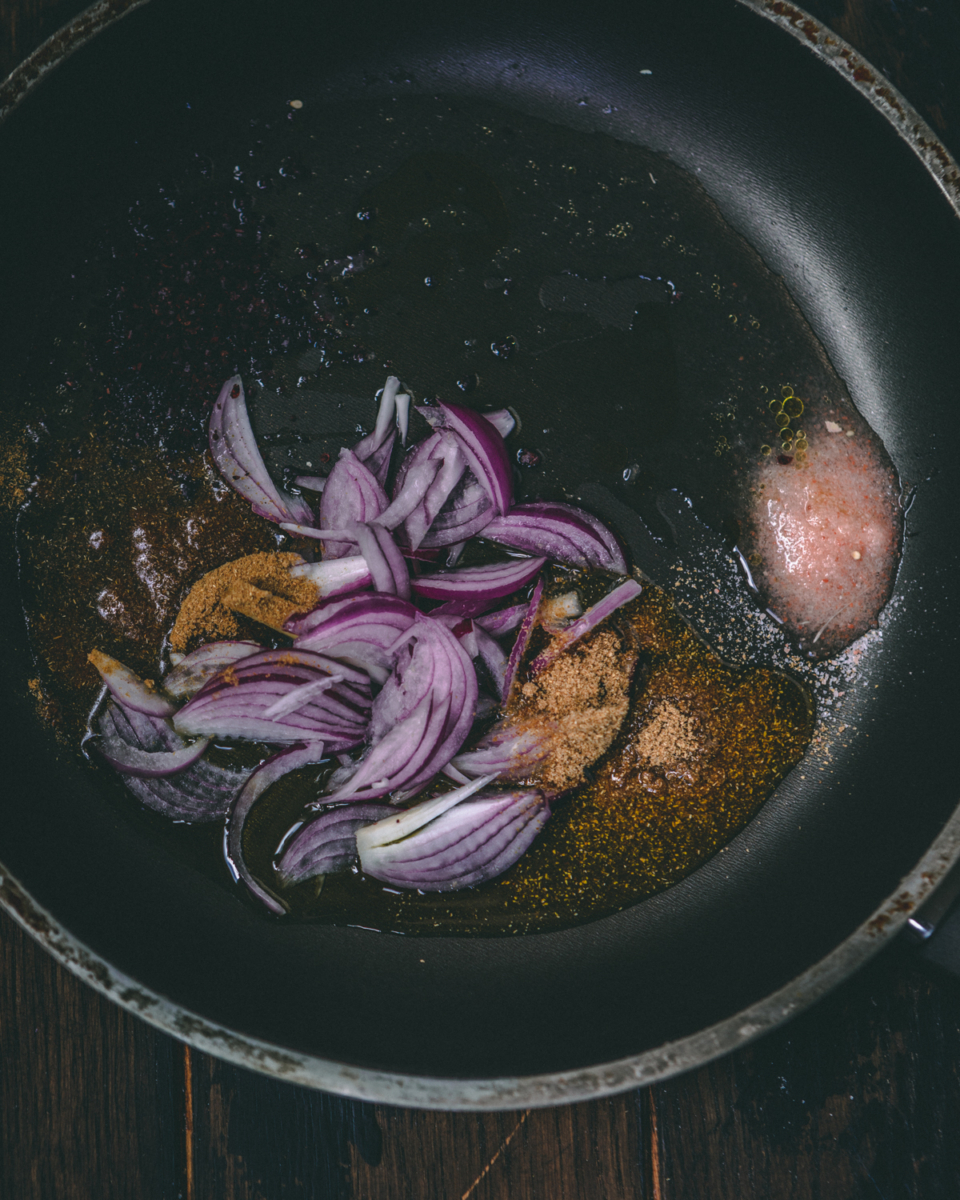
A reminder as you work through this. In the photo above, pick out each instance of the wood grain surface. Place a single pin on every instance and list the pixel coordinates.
(859, 1098)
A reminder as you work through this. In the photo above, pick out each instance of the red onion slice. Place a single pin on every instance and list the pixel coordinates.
(385, 418)
(487, 582)
(452, 468)
(453, 841)
(312, 483)
(196, 668)
(131, 760)
(358, 630)
(352, 494)
(234, 450)
(508, 751)
(328, 843)
(371, 550)
(622, 594)
(504, 620)
(235, 703)
(201, 793)
(522, 640)
(263, 777)
(394, 559)
(336, 576)
(560, 531)
(504, 421)
(493, 657)
(483, 447)
(128, 688)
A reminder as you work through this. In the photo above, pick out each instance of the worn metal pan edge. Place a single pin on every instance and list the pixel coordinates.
(605, 1078)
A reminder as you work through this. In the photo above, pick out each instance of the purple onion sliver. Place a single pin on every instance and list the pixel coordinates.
(487, 582)
(328, 843)
(370, 548)
(312, 483)
(522, 640)
(493, 657)
(352, 494)
(504, 620)
(336, 576)
(263, 777)
(455, 845)
(394, 559)
(237, 457)
(148, 764)
(503, 420)
(508, 752)
(128, 688)
(199, 794)
(196, 668)
(622, 594)
(483, 448)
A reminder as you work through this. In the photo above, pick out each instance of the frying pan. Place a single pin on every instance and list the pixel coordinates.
(843, 192)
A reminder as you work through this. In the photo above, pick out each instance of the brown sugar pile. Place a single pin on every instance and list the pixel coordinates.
(259, 586)
(585, 694)
(671, 736)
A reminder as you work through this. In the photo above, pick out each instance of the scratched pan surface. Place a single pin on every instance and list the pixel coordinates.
(713, 123)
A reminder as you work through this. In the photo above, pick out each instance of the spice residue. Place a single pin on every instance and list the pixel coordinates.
(258, 586)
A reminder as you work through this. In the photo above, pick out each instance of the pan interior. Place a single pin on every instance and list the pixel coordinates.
(470, 308)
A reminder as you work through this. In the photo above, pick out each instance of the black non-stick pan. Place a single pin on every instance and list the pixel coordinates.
(788, 164)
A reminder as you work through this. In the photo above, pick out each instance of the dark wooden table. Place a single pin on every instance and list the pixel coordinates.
(858, 1098)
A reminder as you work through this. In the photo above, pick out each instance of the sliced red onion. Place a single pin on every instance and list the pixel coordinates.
(194, 669)
(559, 531)
(487, 582)
(129, 689)
(200, 793)
(312, 483)
(420, 718)
(235, 703)
(462, 629)
(503, 620)
(622, 594)
(263, 777)
(454, 841)
(371, 550)
(398, 568)
(129, 759)
(509, 751)
(358, 630)
(336, 576)
(234, 450)
(452, 462)
(465, 514)
(295, 700)
(483, 447)
(352, 494)
(395, 760)
(328, 843)
(504, 421)
(493, 657)
(416, 474)
(403, 416)
(385, 418)
(522, 640)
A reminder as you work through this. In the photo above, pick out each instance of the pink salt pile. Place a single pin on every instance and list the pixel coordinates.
(826, 534)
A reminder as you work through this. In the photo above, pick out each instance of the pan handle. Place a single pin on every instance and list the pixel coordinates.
(935, 926)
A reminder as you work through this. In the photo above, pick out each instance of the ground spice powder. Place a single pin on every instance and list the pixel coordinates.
(258, 586)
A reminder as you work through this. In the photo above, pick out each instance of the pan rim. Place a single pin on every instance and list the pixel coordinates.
(604, 1079)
